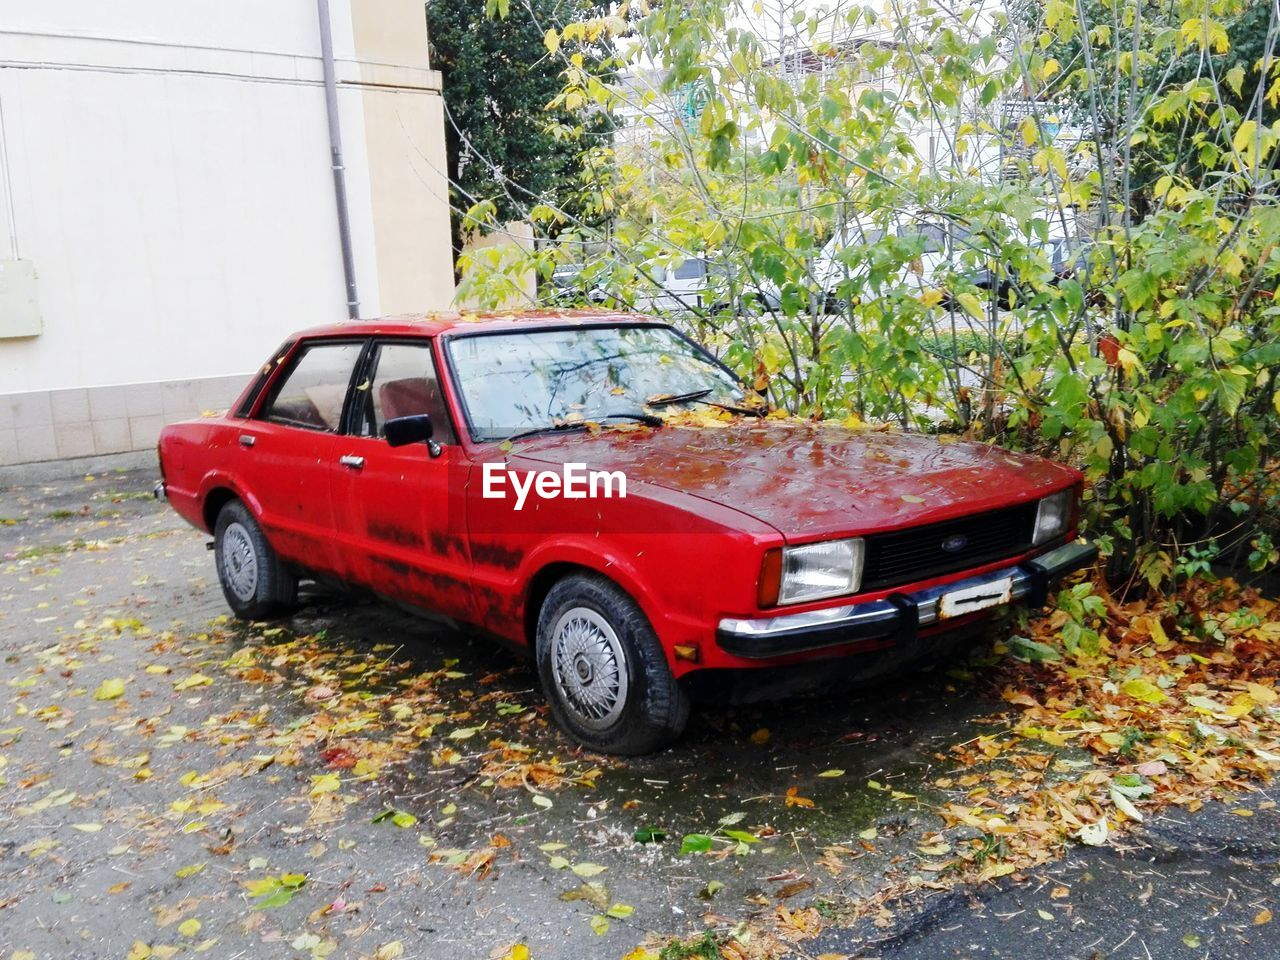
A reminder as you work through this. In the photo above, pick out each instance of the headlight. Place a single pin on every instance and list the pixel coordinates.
(818, 570)
(1052, 516)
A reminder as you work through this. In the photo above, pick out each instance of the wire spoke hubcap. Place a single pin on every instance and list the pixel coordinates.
(239, 562)
(589, 667)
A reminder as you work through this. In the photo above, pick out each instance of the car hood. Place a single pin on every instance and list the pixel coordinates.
(811, 480)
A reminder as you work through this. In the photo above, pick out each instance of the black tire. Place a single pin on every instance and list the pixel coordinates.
(642, 706)
(270, 589)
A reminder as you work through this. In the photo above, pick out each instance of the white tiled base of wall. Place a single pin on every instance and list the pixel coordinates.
(92, 421)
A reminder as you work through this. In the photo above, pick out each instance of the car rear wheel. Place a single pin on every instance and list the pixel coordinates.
(254, 580)
(604, 671)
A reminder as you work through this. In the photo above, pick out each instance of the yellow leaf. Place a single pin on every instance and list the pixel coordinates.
(195, 680)
(87, 827)
(109, 690)
(760, 737)
(1142, 689)
(971, 305)
(324, 783)
(639, 953)
(551, 41)
(1263, 696)
(139, 951)
(1246, 132)
(519, 951)
(189, 928)
(389, 951)
(1263, 916)
(1128, 359)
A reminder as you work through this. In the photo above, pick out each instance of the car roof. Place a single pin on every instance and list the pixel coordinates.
(446, 322)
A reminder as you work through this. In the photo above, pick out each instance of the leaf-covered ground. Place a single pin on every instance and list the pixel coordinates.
(358, 782)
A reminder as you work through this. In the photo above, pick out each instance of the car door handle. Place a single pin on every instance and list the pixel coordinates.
(352, 461)
(247, 440)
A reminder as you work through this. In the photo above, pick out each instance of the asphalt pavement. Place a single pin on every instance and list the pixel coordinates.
(356, 781)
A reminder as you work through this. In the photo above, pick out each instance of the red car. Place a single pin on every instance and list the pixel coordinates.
(598, 489)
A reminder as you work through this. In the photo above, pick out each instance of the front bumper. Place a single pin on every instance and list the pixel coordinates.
(898, 616)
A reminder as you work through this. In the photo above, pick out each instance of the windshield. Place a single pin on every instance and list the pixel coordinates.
(515, 382)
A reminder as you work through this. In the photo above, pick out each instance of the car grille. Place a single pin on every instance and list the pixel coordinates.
(905, 556)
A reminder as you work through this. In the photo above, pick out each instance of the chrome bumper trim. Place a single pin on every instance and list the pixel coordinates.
(897, 614)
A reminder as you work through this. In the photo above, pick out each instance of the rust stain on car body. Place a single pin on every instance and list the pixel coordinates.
(394, 533)
(444, 544)
(496, 555)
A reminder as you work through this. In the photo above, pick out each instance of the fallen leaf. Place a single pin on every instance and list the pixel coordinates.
(696, 843)
(1093, 834)
(1144, 690)
(110, 690)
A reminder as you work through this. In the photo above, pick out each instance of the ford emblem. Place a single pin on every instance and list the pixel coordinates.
(955, 544)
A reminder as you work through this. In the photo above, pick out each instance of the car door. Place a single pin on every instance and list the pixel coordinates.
(286, 451)
(686, 283)
(400, 510)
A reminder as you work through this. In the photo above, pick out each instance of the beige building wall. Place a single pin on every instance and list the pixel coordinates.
(404, 128)
(503, 253)
(165, 174)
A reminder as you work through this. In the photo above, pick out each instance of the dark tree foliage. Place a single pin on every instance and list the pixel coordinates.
(503, 144)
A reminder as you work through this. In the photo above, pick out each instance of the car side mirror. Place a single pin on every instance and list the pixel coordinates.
(402, 431)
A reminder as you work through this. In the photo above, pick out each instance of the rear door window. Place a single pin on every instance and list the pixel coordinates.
(313, 392)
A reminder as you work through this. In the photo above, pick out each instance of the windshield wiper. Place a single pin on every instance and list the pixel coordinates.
(647, 419)
(668, 399)
(700, 396)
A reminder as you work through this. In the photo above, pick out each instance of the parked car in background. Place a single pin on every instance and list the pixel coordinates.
(672, 286)
(950, 259)
(389, 455)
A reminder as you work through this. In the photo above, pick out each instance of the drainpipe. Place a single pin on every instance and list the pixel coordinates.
(335, 153)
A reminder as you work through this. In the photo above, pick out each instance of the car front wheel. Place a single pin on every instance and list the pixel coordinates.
(604, 671)
(254, 580)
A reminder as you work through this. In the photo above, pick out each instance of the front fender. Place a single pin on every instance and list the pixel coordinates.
(622, 567)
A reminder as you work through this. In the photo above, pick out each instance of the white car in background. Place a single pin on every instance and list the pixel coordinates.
(672, 286)
(942, 259)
